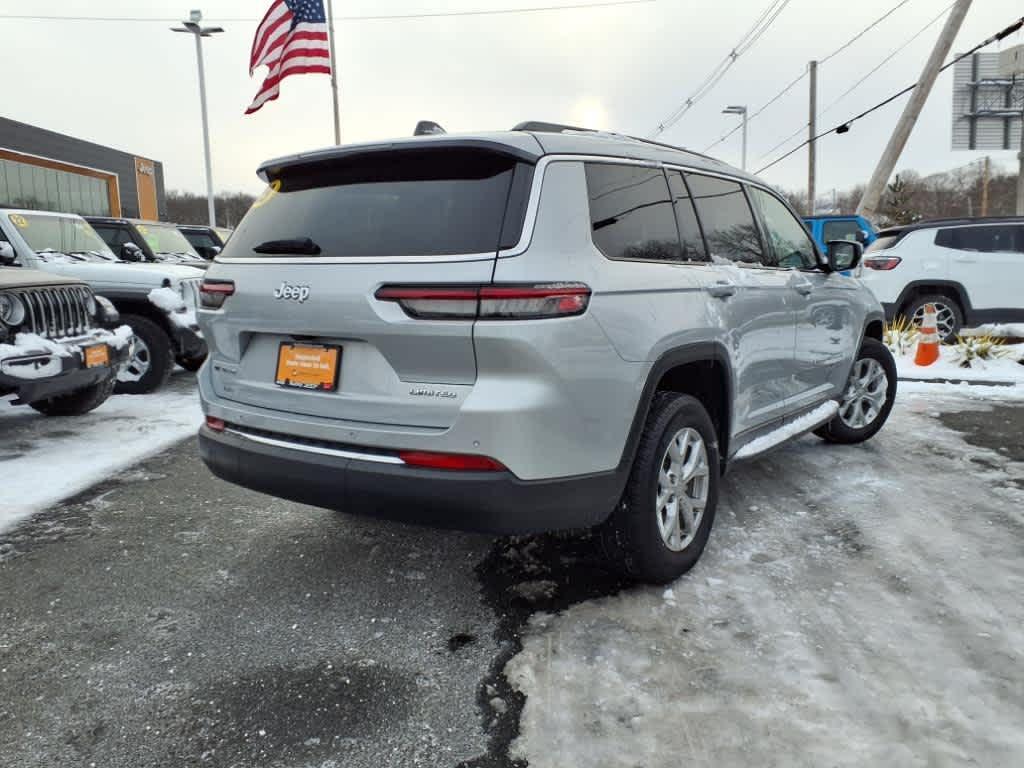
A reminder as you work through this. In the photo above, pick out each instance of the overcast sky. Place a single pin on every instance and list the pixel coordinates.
(132, 85)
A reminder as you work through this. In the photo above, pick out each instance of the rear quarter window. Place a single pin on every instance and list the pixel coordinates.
(631, 214)
(430, 203)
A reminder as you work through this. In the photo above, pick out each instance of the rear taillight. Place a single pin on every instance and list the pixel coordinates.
(882, 263)
(489, 302)
(452, 461)
(213, 293)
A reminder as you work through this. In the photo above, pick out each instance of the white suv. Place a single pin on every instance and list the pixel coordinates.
(971, 269)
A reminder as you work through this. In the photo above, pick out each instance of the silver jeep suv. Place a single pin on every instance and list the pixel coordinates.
(531, 330)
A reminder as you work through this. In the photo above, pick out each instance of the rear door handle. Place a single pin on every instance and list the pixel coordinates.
(722, 289)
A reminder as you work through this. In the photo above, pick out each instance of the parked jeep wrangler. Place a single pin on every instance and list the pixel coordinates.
(157, 301)
(152, 241)
(59, 345)
(539, 329)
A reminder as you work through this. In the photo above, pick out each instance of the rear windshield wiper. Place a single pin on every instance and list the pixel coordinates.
(299, 246)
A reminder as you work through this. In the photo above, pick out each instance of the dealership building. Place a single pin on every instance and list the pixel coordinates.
(48, 171)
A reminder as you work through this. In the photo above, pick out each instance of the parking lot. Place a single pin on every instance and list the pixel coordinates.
(855, 606)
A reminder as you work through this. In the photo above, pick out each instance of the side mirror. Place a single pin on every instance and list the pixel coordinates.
(844, 255)
(862, 236)
(208, 252)
(131, 252)
(7, 254)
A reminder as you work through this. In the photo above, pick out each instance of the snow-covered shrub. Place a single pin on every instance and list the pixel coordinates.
(966, 351)
(900, 336)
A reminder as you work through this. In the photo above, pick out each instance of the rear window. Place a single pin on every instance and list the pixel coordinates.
(840, 230)
(422, 203)
(882, 243)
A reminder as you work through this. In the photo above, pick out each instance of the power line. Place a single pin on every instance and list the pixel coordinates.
(394, 17)
(764, 21)
(861, 81)
(845, 127)
(803, 74)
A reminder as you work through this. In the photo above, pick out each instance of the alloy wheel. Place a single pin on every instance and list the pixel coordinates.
(683, 485)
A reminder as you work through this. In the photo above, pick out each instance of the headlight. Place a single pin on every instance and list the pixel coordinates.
(12, 310)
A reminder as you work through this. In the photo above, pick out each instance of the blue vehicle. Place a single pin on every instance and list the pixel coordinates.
(831, 227)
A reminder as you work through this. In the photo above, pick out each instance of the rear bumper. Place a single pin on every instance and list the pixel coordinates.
(492, 502)
(39, 376)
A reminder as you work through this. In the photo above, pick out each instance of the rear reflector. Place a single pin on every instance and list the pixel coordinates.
(882, 263)
(213, 293)
(453, 461)
(215, 424)
(489, 302)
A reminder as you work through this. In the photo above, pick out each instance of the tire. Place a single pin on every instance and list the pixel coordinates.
(79, 402)
(951, 314)
(633, 536)
(151, 365)
(846, 428)
(191, 364)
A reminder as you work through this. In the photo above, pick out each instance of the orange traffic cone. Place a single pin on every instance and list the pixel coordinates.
(928, 341)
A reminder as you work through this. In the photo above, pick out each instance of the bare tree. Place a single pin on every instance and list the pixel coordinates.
(190, 208)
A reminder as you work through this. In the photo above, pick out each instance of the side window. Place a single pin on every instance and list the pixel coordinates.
(631, 213)
(686, 215)
(107, 235)
(728, 222)
(989, 239)
(790, 245)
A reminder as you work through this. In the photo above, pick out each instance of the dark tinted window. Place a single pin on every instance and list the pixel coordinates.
(631, 213)
(435, 202)
(107, 234)
(689, 229)
(988, 239)
(727, 220)
(201, 239)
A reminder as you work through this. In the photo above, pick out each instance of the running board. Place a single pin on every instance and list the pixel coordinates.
(811, 420)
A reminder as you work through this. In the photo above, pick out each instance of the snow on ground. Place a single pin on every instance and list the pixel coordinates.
(999, 330)
(1007, 370)
(856, 606)
(44, 460)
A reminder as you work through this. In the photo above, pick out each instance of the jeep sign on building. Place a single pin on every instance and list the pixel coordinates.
(47, 171)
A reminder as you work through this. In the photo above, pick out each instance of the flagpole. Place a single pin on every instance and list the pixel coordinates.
(334, 73)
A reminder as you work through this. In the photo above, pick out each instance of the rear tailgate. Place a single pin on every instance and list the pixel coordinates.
(408, 217)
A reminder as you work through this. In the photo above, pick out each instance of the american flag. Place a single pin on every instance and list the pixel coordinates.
(291, 40)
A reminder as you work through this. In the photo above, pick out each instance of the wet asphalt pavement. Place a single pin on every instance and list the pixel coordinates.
(167, 618)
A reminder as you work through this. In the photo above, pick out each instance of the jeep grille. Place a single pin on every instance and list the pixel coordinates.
(56, 312)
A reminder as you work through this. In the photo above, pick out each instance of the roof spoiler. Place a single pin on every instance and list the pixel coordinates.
(427, 128)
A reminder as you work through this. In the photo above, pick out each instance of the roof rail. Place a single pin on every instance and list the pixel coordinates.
(539, 126)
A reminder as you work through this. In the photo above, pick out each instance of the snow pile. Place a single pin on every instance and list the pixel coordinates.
(171, 302)
(819, 415)
(39, 471)
(120, 337)
(33, 344)
(996, 330)
(856, 607)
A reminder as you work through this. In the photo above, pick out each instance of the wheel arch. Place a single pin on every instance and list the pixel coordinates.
(702, 370)
(946, 287)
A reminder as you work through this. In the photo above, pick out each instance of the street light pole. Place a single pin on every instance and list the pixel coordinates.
(742, 112)
(193, 27)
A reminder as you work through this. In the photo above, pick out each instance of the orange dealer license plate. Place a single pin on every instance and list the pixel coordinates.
(96, 355)
(305, 366)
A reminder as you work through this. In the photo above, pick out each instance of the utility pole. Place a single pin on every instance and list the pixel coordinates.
(873, 193)
(1020, 168)
(812, 146)
(985, 175)
(742, 112)
(193, 27)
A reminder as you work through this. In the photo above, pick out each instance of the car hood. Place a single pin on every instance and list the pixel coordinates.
(18, 277)
(125, 273)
